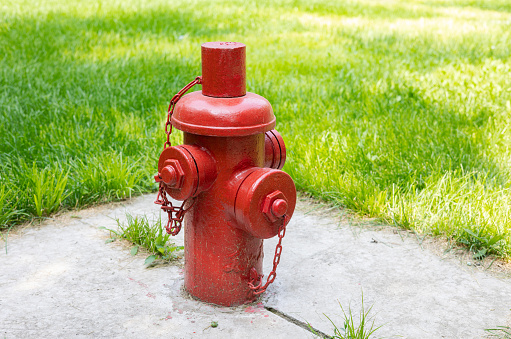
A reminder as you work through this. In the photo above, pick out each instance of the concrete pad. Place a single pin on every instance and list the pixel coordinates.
(414, 293)
(61, 279)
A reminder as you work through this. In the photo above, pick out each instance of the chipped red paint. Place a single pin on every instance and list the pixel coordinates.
(257, 309)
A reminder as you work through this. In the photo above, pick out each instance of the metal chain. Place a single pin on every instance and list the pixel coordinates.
(172, 104)
(174, 223)
(258, 289)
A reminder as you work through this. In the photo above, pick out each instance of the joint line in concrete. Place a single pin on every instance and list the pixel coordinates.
(304, 325)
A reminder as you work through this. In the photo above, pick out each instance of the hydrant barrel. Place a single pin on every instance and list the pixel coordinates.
(229, 166)
(218, 252)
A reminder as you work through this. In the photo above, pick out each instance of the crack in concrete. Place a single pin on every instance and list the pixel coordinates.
(302, 324)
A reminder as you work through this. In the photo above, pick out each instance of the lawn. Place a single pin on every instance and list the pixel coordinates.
(398, 110)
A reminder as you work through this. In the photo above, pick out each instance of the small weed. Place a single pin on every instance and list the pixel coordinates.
(213, 324)
(350, 330)
(481, 243)
(502, 332)
(142, 233)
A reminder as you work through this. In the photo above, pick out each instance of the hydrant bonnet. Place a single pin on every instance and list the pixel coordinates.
(223, 108)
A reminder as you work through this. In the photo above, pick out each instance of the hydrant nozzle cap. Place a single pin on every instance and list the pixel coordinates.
(223, 69)
(263, 198)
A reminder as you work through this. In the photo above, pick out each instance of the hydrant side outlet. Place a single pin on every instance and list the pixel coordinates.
(228, 171)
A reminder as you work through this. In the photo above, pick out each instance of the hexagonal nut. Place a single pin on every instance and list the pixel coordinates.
(180, 174)
(268, 203)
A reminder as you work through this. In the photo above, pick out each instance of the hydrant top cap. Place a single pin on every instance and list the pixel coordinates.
(223, 69)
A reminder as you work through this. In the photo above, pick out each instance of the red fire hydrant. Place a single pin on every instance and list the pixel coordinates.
(228, 175)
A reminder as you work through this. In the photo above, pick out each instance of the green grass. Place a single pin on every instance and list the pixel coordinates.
(147, 234)
(398, 110)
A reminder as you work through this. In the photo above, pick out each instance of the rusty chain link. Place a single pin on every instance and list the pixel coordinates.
(175, 222)
(258, 289)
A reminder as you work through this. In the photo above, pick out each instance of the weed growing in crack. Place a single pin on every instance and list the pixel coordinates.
(363, 329)
(148, 235)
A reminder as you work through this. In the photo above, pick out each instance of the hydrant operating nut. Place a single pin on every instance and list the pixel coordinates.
(172, 174)
(275, 206)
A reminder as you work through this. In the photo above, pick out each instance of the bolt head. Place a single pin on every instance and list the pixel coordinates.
(172, 174)
(274, 206)
(168, 175)
(279, 207)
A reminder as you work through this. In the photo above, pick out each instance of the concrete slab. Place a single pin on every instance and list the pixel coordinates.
(60, 279)
(414, 292)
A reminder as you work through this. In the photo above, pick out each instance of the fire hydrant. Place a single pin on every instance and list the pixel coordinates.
(228, 173)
